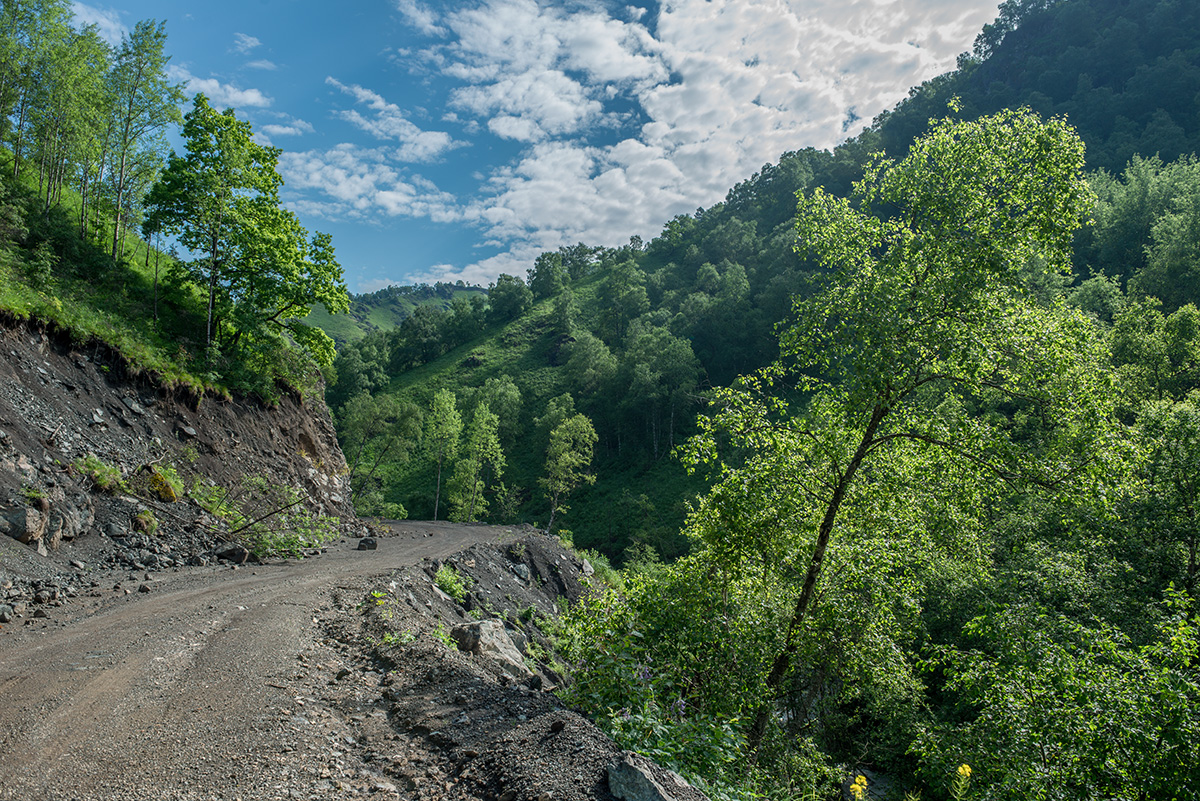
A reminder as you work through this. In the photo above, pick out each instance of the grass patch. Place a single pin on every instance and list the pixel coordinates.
(453, 583)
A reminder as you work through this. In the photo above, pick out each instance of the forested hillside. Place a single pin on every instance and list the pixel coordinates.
(386, 309)
(636, 336)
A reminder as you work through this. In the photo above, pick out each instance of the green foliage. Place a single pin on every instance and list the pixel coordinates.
(391, 639)
(377, 432)
(453, 583)
(32, 495)
(442, 635)
(508, 299)
(638, 688)
(1056, 709)
(146, 521)
(1157, 356)
(567, 460)
(479, 470)
(104, 477)
(271, 520)
(443, 428)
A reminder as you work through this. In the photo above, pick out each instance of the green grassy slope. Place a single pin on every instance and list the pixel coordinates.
(384, 310)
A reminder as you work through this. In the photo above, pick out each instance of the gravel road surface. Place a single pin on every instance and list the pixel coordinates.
(207, 686)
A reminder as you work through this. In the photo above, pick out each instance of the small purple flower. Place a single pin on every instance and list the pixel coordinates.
(644, 675)
(680, 705)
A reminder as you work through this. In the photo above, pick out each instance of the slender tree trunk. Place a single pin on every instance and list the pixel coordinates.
(553, 509)
(437, 493)
(83, 201)
(783, 661)
(18, 134)
(120, 200)
(157, 253)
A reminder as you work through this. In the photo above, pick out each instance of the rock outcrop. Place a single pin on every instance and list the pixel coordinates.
(87, 454)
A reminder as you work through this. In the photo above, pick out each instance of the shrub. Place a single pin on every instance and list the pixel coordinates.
(269, 519)
(451, 582)
(145, 521)
(104, 476)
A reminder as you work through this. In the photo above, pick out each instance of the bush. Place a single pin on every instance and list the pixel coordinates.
(104, 476)
(269, 519)
(451, 582)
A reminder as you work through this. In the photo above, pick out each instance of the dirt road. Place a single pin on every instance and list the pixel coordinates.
(207, 687)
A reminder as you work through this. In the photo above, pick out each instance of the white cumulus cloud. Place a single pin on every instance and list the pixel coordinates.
(420, 17)
(220, 95)
(359, 183)
(293, 128)
(107, 21)
(387, 121)
(244, 43)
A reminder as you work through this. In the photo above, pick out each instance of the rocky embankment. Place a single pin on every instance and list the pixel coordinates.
(67, 412)
(466, 686)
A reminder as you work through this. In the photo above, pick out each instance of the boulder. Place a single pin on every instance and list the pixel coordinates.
(635, 778)
(25, 524)
(489, 639)
(232, 552)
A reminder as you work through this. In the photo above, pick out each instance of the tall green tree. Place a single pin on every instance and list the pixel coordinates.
(924, 316)
(508, 299)
(443, 429)
(482, 466)
(567, 461)
(145, 103)
(261, 272)
(548, 276)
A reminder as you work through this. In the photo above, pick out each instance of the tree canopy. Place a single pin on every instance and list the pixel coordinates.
(261, 270)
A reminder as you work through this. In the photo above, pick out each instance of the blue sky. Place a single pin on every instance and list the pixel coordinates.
(457, 140)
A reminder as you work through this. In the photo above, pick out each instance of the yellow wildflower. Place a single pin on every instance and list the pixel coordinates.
(964, 770)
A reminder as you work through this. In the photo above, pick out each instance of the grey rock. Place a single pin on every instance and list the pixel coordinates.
(6, 613)
(232, 552)
(367, 544)
(631, 779)
(587, 569)
(25, 524)
(489, 639)
(519, 640)
(522, 571)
